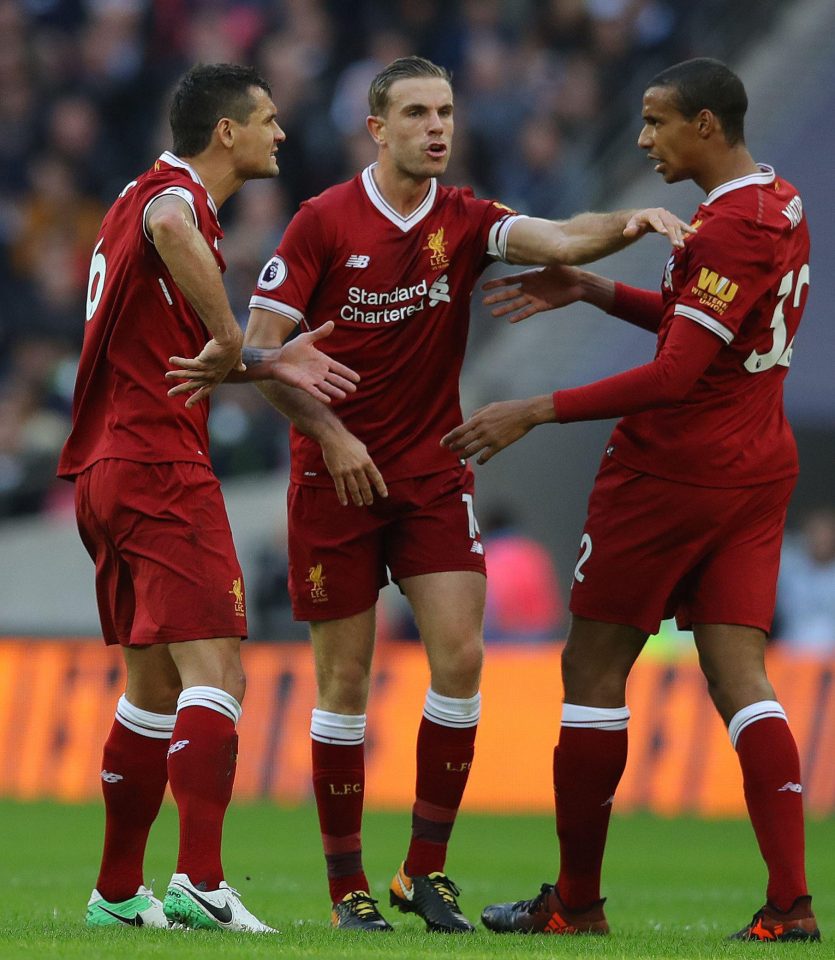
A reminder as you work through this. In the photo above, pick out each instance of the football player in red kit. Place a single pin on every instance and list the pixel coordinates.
(391, 257)
(149, 507)
(687, 512)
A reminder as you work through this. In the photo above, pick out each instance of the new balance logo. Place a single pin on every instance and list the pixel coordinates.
(439, 291)
(477, 548)
(358, 260)
(111, 777)
(179, 745)
(788, 785)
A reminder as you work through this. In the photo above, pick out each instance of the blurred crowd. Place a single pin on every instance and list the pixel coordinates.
(540, 88)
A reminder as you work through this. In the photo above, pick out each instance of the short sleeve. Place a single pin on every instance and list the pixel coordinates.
(288, 279)
(173, 191)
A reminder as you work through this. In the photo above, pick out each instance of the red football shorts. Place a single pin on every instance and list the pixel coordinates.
(338, 555)
(653, 549)
(166, 568)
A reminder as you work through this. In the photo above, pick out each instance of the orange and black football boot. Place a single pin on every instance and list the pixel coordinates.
(769, 923)
(545, 913)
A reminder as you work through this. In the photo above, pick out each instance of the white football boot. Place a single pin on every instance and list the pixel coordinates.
(220, 909)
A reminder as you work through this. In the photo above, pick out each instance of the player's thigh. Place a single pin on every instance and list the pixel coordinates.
(736, 583)
(171, 528)
(435, 529)
(596, 662)
(335, 554)
(342, 651)
(641, 538)
(449, 612)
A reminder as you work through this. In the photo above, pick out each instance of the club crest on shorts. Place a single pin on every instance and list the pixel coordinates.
(237, 592)
(316, 579)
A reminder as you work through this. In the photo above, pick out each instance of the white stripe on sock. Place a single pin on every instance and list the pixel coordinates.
(157, 726)
(452, 711)
(595, 718)
(213, 698)
(754, 711)
(339, 728)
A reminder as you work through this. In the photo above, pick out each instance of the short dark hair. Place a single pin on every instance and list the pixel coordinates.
(207, 92)
(405, 68)
(707, 84)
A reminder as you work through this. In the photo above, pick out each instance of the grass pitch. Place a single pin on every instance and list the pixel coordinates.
(676, 888)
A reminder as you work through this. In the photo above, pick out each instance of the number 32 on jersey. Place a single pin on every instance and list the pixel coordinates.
(779, 352)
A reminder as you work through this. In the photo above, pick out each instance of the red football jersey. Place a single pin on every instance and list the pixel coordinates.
(136, 319)
(398, 289)
(744, 275)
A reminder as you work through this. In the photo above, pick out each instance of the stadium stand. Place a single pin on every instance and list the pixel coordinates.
(547, 111)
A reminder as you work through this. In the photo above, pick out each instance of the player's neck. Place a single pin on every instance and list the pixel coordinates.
(402, 192)
(219, 179)
(728, 165)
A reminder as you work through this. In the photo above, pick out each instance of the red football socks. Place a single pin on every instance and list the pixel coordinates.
(773, 793)
(133, 777)
(444, 759)
(201, 770)
(588, 764)
(338, 751)
(445, 746)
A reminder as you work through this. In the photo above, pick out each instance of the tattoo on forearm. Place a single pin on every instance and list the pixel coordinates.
(252, 356)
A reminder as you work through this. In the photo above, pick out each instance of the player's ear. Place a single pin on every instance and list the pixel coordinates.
(225, 131)
(376, 127)
(706, 123)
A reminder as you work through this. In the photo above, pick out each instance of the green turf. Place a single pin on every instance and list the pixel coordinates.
(675, 887)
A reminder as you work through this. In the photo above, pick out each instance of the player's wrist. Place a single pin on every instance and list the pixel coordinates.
(230, 337)
(541, 410)
(326, 429)
(596, 290)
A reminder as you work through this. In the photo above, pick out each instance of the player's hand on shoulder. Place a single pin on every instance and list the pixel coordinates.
(200, 375)
(659, 220)
(302, 364)
(354, 473)
(521, 295)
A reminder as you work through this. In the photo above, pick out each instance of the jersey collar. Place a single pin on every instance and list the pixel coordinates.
(404, 223)
(174, 161)
(766, 175)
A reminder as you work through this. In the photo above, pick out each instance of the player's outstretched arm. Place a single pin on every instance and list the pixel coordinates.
(588, 236)
(192, 266)
(299, 363)
(355, 475)
(687, 352)
(494, 427)
(521, 295)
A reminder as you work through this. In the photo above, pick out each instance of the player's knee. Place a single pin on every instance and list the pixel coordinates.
(577, 671)
(730, 694)
(161, 697)
(235, 684)
(587, 681)
(457, 673)
(343, 686)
